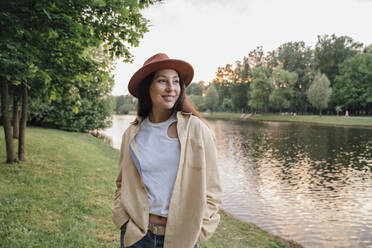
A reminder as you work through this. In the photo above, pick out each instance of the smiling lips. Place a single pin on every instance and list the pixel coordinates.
(168, 98)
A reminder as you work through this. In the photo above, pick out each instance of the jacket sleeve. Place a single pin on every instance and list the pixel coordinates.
(211, 217)
(120, 217)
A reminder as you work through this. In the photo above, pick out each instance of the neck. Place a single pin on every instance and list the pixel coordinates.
(158, 115)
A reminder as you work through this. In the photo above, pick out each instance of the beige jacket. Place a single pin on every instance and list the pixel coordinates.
(196, 196)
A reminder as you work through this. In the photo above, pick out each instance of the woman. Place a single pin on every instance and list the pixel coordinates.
(168, 189)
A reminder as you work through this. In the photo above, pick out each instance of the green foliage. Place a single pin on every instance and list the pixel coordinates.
(353, 87)
(257, 57)
(239, 96)
(338, 109)
(93, 114)
(368, 49)
(223, 90)
(296, 57)
(227, 105)
(319, 92)
(331, 51)
(198, 101)
(195, 89)
(261, 88)
(283, 82)
(211, 98)
(51, 46)
(124, 104)
(125, 109)
(302, 61)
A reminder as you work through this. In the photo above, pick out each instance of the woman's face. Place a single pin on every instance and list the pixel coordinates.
(165, 89)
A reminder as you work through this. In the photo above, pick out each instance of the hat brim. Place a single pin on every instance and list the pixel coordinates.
(183, 68)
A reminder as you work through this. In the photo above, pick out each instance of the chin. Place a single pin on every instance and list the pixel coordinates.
(168, 106)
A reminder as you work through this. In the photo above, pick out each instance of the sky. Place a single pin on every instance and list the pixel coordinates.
(213, 33)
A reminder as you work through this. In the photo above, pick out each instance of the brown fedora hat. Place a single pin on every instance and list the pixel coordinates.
(158, 62)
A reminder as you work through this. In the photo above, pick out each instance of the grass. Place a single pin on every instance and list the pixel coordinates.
(61, 197)
(234, 233)
(315, 119)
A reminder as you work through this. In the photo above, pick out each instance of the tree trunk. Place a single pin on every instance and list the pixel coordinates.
(22, 127)
(10, 152)
(15, 117)
(320, 112)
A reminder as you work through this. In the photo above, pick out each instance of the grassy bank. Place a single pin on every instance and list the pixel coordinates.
(61, 197)
(316, 119)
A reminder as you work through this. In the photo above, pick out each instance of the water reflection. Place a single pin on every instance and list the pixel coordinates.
(309, 183)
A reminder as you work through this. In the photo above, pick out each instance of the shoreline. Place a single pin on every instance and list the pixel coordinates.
(358, 122)
(241, 233)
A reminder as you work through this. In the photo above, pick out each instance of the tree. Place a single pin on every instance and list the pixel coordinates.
(284, 83)
(93, 113)
(241, 73)
(368, 49)
(15, 116)
(239, 97)
(338, 109)
(256, 57)
(260, 89)
(45, 47)
(198, 102)
(125, 109)
(223, 90)
(119, 101)
(124, 104)
(353, 87)
(331, 51)
(296, 57)
(211, 98)
(10, 153)
(319, 92)
(222, 82)
(227, 105)
(195, 89)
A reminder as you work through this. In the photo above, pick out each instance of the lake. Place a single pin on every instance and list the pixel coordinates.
(309, 183)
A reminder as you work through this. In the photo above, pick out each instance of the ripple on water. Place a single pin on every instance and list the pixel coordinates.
(308, 183)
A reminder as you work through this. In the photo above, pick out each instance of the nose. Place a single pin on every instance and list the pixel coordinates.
(170, 86)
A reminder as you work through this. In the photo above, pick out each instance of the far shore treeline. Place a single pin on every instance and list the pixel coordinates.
(335, 75)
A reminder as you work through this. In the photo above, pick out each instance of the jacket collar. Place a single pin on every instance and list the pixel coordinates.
(182, 125)
(180, 114)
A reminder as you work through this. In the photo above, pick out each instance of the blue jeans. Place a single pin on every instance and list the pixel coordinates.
(149, 241)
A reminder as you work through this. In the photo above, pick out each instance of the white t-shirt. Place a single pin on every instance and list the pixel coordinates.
(159, 157)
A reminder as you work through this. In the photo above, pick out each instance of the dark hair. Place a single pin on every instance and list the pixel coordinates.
(144, 104)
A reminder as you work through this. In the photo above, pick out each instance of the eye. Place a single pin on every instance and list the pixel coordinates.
(176, 81)
(162, 81)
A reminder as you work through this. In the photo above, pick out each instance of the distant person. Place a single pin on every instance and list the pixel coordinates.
(347, 113)
(168, 187)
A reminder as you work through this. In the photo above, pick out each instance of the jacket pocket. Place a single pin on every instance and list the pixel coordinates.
(119, 215)
(196, 156)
